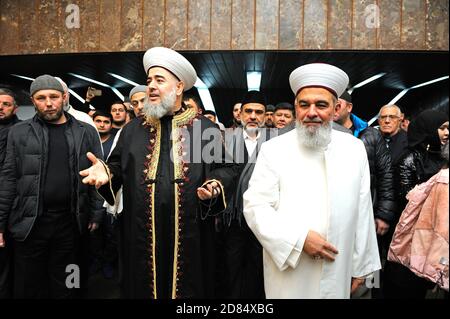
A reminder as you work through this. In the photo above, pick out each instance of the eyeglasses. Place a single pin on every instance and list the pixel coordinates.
(6, 104)
(391, 117)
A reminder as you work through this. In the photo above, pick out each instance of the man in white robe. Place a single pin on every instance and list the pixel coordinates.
(309, 201)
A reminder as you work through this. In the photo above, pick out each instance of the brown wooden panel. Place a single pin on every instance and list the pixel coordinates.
(153, 31)
(220, 24)
(364, 33)
(9, 27)
(199, 25)
(437, 25)
(176, 24)
(110, 25)
(291, 28)
(340, 24)
(131, 17)
(315, 24)
(29, 34)
(390, 22)
(243, 25)
(266, 37)
(71, 20)
(89, 40)
(413, 25)
(48, 19)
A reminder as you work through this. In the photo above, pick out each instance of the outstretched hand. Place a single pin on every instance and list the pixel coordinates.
(2, 241)
(96, 174)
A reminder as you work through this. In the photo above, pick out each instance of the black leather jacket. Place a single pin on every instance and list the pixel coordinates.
(21, 182)
(416, 166)
(381, 174)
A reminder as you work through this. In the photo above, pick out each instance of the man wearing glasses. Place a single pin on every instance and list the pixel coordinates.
(389, 118)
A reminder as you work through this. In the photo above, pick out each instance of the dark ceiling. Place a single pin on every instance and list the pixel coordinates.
(225, 75)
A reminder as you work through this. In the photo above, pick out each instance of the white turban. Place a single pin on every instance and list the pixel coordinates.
(173, 62)
(319, 75)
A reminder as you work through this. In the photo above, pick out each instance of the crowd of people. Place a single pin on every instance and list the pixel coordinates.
(298, 200)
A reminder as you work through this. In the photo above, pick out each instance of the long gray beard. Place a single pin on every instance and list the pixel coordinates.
(314, 137)
(158, 110)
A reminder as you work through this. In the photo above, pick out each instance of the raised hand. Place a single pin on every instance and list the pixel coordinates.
(96, 174)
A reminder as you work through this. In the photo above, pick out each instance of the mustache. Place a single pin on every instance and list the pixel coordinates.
(313, 121)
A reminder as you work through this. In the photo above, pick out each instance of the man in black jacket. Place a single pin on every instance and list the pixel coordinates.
(42, 201)
(381, 174)
(381, 171)
(8, 109)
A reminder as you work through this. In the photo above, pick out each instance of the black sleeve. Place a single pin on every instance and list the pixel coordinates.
(385, 200)
(406, 179)
(84, 107)
(8, 182)
(224, 170)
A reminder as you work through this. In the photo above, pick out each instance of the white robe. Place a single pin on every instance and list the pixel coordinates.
(288, 196)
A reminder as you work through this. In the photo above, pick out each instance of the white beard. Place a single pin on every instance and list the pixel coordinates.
(158, 110)
(314, 136)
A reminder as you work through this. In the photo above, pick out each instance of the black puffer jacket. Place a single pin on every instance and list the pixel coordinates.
(416, 166)
(381, 174)
(21, 179)
(4, 130)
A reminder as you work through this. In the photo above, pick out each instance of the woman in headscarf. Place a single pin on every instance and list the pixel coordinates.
(426, 135)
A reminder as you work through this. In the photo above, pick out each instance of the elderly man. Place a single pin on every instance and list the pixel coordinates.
(390, 119)
(317, 243)
(137, 99)
(46, 208)
(170, 187)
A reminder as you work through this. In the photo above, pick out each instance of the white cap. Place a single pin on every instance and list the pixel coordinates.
(136, 89)
(172, 61)
(322, 75)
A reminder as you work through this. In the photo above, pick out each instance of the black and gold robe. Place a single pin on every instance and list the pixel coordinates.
(167, 242)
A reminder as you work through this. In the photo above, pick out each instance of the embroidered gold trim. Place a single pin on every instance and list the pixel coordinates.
(178, 122)
(155, 295)
(151, 175)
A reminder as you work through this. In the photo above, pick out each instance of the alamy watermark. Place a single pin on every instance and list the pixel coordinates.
(73, 277)
(372, 15)
(73, 19)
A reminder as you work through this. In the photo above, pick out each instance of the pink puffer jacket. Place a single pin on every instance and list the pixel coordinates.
(420, 241)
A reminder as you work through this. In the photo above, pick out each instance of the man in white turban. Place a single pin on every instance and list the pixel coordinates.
(313, 219)
(171, 187)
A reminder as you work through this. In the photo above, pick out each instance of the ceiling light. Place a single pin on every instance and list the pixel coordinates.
(23, 77)
(371, 79)
(123, 79)
(199, 84)
(205, 96)
(253, 81)
(430, 82)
